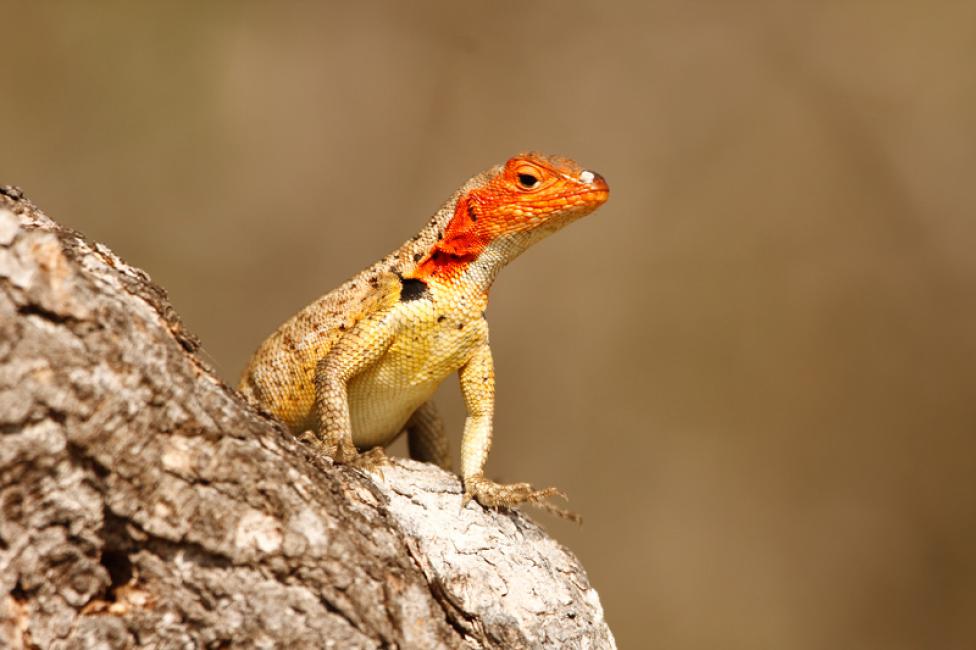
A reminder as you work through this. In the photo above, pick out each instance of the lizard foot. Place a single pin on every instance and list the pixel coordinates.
(495, 495)
(345, 453)
(370, 460)
(332, 446)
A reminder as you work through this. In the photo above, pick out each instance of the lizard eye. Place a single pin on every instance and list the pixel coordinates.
(527, 180)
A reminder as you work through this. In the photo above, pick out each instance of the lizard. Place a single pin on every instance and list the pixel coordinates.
(355, 369)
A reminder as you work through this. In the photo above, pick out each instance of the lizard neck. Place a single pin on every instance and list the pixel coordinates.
(483, 270)
(471, 254)
(471, 243)
(473, 271)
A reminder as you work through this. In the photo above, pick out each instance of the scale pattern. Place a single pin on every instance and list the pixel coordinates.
(357, 367)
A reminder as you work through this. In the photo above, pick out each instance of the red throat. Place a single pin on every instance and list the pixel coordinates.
(528, 193)
(462, 242)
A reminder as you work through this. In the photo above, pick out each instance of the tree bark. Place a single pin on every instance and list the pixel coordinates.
(143, 503)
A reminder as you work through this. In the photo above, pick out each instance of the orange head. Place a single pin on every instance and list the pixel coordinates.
(517, 204)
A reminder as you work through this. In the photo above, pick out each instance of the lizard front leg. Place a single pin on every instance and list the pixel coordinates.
(478, 387)
(355, 351)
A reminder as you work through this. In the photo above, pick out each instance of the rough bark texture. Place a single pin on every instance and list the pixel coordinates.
(142, 503)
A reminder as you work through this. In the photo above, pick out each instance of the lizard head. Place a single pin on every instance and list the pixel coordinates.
(511, 207)
(533, 191)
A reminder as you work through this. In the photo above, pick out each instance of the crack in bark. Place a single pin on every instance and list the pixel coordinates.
(33, 309)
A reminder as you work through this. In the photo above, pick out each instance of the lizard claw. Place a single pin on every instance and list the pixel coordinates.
(318, 443)
(345, 453)
(495, 495)
(371, 460)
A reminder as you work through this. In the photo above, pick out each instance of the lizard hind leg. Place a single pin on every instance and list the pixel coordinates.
(427, 438)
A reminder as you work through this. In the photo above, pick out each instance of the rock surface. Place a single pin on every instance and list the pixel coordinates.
(144, 504)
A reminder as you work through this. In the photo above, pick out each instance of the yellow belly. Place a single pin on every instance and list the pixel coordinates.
(383, 397)
(434, 339)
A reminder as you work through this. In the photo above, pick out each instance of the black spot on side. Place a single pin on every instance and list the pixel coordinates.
(471, 212)
(413, 289)
(440, 319)
(417, 256)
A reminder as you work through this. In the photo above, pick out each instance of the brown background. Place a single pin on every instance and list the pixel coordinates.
(754, 370)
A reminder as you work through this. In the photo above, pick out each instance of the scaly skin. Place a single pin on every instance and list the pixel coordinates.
(358, 366)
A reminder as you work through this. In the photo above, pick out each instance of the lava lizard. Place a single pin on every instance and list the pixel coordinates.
(357, 367)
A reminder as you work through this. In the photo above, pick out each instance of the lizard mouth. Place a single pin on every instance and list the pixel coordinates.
(595, 195)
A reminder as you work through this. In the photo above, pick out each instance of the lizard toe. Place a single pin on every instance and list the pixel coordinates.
(496, 495)
(371, 460)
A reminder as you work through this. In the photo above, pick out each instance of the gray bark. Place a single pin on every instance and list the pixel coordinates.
(144, 504)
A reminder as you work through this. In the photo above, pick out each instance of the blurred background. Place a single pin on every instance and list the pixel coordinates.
(754, 370)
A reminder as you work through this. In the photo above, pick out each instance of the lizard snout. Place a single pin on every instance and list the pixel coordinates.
(595, 180)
